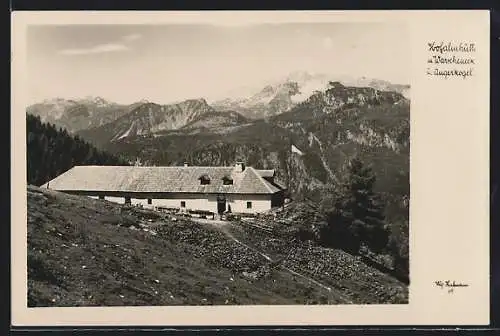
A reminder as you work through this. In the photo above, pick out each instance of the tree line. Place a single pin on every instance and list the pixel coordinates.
(51, 151)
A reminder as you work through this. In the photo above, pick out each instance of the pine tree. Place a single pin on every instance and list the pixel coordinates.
(365, 206)
(353, 211)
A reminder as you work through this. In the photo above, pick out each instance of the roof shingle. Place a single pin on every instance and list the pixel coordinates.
(163, 179)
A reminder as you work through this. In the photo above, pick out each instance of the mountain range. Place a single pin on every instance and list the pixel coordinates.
(79, 114)
(271, 99)
(281, 95)
(304, 126)
(149, 118)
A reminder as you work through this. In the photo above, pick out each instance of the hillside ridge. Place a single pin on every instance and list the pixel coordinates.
(86, 252)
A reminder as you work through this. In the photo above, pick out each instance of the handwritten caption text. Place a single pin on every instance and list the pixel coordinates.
(451, 60)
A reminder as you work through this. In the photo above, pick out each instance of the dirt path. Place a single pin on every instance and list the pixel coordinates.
(230, 235)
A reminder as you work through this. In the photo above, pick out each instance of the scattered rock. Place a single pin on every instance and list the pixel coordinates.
(211, 254)
(251, 275)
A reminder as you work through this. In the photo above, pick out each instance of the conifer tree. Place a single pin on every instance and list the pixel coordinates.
(353, 211)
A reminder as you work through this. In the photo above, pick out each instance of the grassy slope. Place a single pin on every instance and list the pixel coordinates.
(84, 252)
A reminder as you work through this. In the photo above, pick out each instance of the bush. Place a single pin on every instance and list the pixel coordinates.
(398, 247)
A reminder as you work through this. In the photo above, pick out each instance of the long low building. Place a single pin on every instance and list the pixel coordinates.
(236, 189)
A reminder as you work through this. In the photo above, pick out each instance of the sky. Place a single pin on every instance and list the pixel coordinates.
(167, 63)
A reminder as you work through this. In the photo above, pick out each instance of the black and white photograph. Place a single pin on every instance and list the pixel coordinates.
(213, 165)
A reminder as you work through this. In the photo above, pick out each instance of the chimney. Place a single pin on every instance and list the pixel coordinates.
(185, 164)
(239, 166)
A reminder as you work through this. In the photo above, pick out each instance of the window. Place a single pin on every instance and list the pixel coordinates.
(204, 180)
(249, 205)
(150, 201)
(183, 204)
(227, 180)
(128, 200)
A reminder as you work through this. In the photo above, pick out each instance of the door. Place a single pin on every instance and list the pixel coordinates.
(221, 204)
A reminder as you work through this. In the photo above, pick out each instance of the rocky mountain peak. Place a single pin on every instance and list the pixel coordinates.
(149, 118)
(195, 102)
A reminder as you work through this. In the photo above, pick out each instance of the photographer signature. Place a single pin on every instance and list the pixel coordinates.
(450, 285)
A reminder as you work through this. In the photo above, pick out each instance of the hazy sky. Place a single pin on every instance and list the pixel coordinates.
(165, 63)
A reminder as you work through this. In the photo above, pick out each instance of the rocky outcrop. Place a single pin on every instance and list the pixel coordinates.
(270, 101)
(149, 118)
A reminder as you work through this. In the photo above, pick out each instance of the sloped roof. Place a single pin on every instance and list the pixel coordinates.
(162, 179)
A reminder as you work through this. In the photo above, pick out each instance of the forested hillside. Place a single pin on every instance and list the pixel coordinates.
(52, 151)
